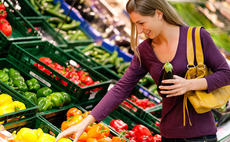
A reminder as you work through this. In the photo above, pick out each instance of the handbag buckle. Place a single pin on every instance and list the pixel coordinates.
(201, 67)
(190, 66)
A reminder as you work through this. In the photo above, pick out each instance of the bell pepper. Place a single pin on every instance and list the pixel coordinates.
(6, 108)
(157, 138)
(33, 85)
(19, 81)
(18, 105)
(10, 82)
(31, 96)
(5, 99)
(4, 77)
(64, 140)
(57, 99)
(46, 138)
(70, 122)
(5, 70)
(44, 92)
(118, 125)
(44, 103)
(83, 137)
(118, 139)
(67, 97)
(26, 135)
(46, 60)
(98, 131)
(3, 13)
(107, 139)
(91, 140)
(73, 111)
(13, 72)
(141, 130)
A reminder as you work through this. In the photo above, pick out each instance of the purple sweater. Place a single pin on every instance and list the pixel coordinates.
(172, 113)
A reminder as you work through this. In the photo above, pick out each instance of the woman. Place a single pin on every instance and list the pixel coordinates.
(166, 41)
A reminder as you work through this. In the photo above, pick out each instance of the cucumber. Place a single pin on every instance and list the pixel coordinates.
(167, 73)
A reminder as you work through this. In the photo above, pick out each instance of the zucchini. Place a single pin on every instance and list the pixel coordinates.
(167, 73)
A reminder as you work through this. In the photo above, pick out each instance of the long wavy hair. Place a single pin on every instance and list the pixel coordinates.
(147, 8)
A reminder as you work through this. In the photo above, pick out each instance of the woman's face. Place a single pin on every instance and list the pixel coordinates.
(149, 25)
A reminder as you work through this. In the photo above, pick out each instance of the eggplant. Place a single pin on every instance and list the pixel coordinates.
(167, 73)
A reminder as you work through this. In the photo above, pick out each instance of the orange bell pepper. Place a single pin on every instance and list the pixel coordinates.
(83, 137)
(118, 139)
(104, 131)
(73, 111)
(72, 121)
(90, 127)
(91, 140)
(86, 114)
(106, 139)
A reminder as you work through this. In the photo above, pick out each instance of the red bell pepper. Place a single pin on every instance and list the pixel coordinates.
(132, 139)
(118, 125)
(3, 13)
(145, 138)
(86, 79)
(141, 130)
(70, 68)
(75, 80)
(58, 66)
(157, 138)
(46, 60)
(81, 72)
(2, 6)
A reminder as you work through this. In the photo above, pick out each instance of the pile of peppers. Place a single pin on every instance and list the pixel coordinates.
(93, 133)
(44, 97)
(80, 77)
(7, 105)
(139, 133)
(35, 135)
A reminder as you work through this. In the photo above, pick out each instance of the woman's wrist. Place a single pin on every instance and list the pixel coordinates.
(88, 120)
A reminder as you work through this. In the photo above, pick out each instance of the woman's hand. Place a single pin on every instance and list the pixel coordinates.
(76, 130)
(180, 86)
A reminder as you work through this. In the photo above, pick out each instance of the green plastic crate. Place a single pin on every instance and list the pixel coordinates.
(30, 110)
(48, 33)
(27, 74)
(34, 122)
(20, 30)
(124, 115)
(25, 8)
(32, 51)
(57, 119)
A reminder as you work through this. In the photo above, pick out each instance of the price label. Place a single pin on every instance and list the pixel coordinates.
(40, 79)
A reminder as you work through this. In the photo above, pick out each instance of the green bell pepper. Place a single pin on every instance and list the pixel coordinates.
(13, 72)
(44, 92)
(5, 70)
(19, 81)
(33, 85)
(67, 97)
(10, 82)
(31, 96)
(4, 76)
(44, 103)
(57, 99)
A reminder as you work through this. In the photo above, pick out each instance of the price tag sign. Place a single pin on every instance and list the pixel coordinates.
(40, 79)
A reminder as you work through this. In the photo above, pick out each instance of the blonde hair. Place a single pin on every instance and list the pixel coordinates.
(147, 8)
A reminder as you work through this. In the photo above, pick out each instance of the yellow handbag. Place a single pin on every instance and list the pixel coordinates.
(201, 100)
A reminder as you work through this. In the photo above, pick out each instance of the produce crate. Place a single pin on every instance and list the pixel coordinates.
(48, 33)
(221, 116)
(61, 116)
(107, 72)
(30, 110)
(27, 74)
(25, 8)
(32, 51)
(34, 122)
(74, 14)
(20, 28)
(126, 116)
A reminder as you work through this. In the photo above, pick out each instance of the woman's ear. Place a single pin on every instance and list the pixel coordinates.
(159, 14)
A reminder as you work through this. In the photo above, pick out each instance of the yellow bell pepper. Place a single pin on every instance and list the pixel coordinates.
(26, 135)
(5, 99)
(46, 138)
(18, 105)
(64, 140)
(6, 108)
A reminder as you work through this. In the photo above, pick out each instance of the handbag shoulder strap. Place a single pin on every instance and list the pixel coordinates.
(198, 47)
